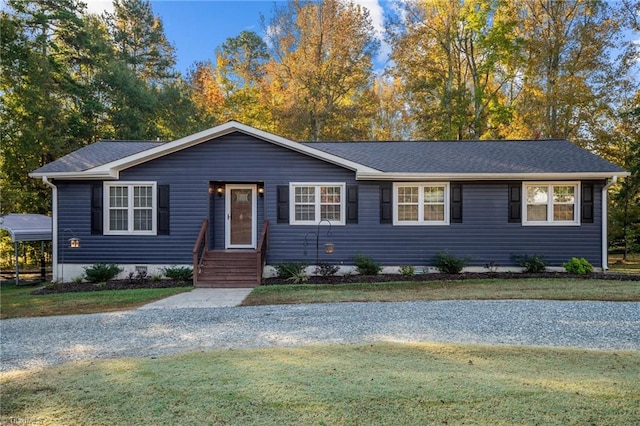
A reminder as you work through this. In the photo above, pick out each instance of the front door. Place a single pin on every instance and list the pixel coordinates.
(241, 222)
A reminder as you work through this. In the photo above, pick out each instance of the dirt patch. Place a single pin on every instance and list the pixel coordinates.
(349, 279)
(110, 285)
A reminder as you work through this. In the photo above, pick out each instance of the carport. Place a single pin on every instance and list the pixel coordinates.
(27, 227)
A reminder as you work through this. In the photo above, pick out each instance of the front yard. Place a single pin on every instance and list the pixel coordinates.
(381, 383)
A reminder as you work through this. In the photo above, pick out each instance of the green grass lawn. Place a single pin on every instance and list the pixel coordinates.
(16, 301)
(482, 289)
(381, 384)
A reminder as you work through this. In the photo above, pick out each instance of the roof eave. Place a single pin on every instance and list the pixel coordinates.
(79, 175)
(488, 176)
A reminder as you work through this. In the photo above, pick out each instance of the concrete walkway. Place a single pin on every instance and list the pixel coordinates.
(202, 298)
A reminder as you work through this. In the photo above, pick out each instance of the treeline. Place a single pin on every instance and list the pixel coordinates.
(464, 69)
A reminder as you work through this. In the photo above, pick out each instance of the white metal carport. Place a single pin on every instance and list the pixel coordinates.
(27, 227)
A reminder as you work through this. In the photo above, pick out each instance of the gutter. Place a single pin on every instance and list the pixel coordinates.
(54, 227)
(605, 214)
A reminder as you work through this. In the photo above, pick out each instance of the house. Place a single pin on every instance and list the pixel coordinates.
(234, 198)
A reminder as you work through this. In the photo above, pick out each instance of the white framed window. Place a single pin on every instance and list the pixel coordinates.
(550, 203)
(130, 208)
(421, 203)
(311, 203)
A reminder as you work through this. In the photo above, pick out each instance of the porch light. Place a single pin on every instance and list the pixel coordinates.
(220, 190)
(328, 248)
(261, 191)
(74, 242)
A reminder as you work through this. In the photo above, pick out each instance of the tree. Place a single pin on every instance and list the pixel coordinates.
(567, 79)
(625, 211)
(40, 109)
(321, 58)
(241, 74)
(455, 59)
(140, 42)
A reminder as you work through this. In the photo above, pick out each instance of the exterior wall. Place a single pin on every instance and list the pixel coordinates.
(484, 235)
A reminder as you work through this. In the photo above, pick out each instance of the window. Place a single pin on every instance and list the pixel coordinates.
(551, 203)
(421, 204)
(130, 208)
(312, 203)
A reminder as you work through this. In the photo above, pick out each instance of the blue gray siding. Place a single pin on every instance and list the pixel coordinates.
(484, 234)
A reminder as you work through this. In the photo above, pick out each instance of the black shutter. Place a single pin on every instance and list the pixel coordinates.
(456, 203)
(587, 203)
(163, 209)
(352, 203)
(283, 203)
(96, 209)
(515, 202)
(386, 204)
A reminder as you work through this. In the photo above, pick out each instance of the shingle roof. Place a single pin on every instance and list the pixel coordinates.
(96, 154)
(536, 156)
(417, 157)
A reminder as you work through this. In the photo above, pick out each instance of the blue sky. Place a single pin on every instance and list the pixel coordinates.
(197, 27)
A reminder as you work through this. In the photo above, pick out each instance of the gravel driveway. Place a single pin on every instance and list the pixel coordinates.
(39, 342)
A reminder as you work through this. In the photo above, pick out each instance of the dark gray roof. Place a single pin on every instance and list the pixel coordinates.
(535, 156)
(96, 154)
(450, 157)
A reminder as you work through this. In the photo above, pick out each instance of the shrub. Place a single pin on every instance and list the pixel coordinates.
(578, 266)
(101, 272)
(289, 270)
(407, 271)
(449, 263)
(178, 273)
(77, 280)
(326, 269)
(492, 267)
(299, 277)
(532, 264)
(366, 266)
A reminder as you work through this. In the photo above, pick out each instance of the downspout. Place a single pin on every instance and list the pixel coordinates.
(54, 227)
(605, 214)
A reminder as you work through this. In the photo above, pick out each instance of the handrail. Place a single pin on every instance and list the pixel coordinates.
(263, 247)
(200, 249)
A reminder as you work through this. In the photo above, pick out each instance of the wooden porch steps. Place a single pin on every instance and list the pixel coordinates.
(229, 269)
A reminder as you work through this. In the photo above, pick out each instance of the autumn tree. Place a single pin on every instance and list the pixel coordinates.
(456, 61)
(242, 75)
(566, 75)
(321, 55)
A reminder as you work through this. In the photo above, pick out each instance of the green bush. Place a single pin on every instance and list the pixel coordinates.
(101, 272)
(448, 263)
(178, 273)
(407, 271)
(578, 266)
(289, 270)
(532, 264)
(366, 266)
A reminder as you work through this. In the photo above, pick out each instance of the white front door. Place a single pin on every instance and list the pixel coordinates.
(241, 216)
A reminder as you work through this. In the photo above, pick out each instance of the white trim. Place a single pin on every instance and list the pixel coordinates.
(422, 177)
(54, 227)
(421, 221)
(317, 203)
(605, 220)
(550, 221)
(227, 212)
(130, 207)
